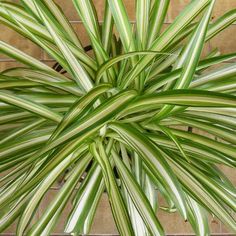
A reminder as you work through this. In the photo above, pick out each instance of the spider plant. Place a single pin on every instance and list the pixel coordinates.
(120, 120)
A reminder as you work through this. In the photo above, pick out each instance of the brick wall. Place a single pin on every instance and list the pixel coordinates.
(103, 223)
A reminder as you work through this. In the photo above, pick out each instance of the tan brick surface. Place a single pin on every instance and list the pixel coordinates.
(8, 64)
(49, 196)
(18, 41)
(175, 7)
(222, 6)
(103, 221)
(225, 41)
(68, 9)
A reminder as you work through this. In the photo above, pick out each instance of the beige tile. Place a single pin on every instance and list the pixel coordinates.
(203, 133)
(206, 50)
(68, 9)
(176, 6)
(103, 221)
(215, 67)
(82, 33)
(99, 6)
(225, 41)
(173, 223)
(11, 37)
(164, 27)
(230, 173)
(49, 196)
(223, 6)
(179, 127)
(11, 229)
(8, 64)
(220, 8)
(49, 62)
(215, 225)
(46, 56)
(226, 230)
(130, 8)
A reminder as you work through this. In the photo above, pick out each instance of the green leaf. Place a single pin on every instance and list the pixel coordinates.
(186, 16)
(25, 104)
(80, 108)
(24, 58)
(138, 197)
(193, 98)
(96, 119)
(198, 218)
(189, 58)
(175, 140)
(90, 191)
(196, 150)
(39, 193)
(62, 20)
(202, 195)
(155, 84)
(60, 200)
(219, 146)
(83, 116)
(142, 21)
(78, 71)
(116, 59)
(107, 28)
(122, 23)
(157, 17)
(215, 75)
(223, 133)
(119, 210)
(154, 161)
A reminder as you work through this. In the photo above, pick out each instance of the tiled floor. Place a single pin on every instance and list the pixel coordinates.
(225, 41)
